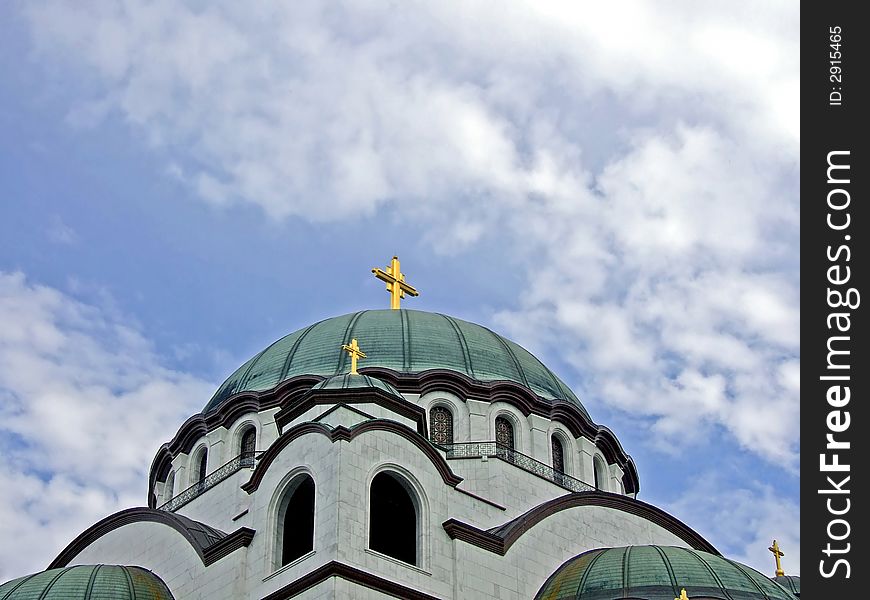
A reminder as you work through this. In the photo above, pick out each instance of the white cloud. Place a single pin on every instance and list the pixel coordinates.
(638, 161)
(330, 112)
(84, 405)
(660, 248)
(743, 522)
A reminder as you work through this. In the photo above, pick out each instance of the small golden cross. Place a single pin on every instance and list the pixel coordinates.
(355, 353)
(683, 595)
(395, 280)
(777, 553)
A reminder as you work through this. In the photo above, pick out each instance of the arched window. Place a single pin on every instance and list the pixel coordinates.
(202, 466)
(393, 519)
(296, 520)
(558, 454)
(248, 446)
(168, 487)
(600, 474)
(504, 432)
(441, 425)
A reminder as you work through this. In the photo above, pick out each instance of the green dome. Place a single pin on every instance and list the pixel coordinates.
(356, 382)
(88, 582)
(406, 341)
(790, 582)
(657, 573)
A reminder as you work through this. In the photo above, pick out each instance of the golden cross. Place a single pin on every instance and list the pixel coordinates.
(355, 353)
(395, 280)
(683, 595)
(777, 553)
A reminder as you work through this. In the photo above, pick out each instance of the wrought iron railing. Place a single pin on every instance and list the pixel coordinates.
(527, 463)
(242, 461)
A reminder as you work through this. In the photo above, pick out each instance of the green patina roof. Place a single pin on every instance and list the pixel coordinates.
(355, 382)
(790, 582)
(406, 341)
(88, 582)
(657, 573)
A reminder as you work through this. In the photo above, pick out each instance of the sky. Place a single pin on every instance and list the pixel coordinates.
(612, 185)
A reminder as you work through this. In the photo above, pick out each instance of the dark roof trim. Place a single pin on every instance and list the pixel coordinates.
(290, 392)
(499, 539)
(353, 396)
(352, 574)
(208, 549)
(343, 433)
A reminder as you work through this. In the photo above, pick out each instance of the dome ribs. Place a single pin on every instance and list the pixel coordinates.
(406, 341)
(669, 568)
(348, 334)
(466, 355)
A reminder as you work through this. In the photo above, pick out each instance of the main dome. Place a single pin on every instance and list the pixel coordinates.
(405, 341)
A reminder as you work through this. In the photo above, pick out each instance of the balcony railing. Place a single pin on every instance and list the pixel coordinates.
(242, 461)
(527, 463)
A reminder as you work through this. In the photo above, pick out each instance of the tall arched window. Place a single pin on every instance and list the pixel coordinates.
(441, 425)
(558, 454)
(600, 474)
(168, 487)
(504, 432)
(202, 466)
(248, 446)
(296, 520)
(393, 519)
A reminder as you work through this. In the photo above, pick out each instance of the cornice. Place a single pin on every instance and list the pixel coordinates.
(352, 574)
(294, 394)
(350, 397)
(341, 433)
(499, 539)
(208, 553)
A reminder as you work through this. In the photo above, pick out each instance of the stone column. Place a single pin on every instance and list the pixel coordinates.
(585, 465)
(478, 421)
(539, 441)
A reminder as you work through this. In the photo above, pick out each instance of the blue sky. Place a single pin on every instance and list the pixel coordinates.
(183, 183)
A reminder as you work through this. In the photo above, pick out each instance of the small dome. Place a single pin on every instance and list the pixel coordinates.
(88, 582)
(657, 573)
(405, 341)
(790, 582)
(354, 382)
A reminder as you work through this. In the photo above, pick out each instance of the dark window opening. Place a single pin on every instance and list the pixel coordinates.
(441, 425)
(203, 466)
(600, 475)
(248, 446)
(297, 521)
(558, 455)
(393, 519)
(504, 432)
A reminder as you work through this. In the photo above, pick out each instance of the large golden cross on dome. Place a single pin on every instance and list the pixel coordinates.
(777, 553)
(355, 353)
(395, 280)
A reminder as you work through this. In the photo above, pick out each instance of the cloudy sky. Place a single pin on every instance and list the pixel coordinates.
(613, 185)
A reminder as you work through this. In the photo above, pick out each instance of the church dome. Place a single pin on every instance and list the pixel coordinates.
(790, 582)
(88, 582)
(405, 341)
(657, 573)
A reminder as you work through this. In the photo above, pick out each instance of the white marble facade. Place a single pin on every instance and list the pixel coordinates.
(490, 493)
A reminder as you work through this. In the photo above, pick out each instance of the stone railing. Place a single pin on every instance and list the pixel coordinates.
(527, 463)
(242, 461)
